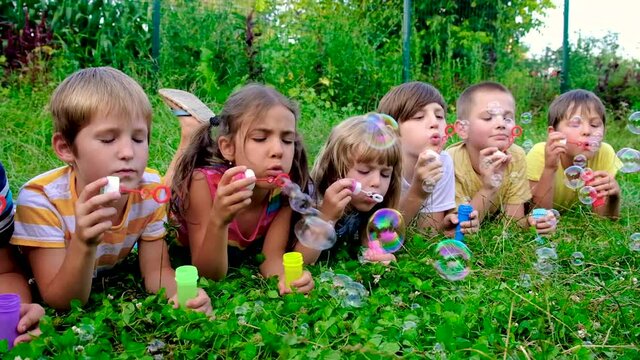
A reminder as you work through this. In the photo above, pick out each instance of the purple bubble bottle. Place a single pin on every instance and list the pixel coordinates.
(9, 317)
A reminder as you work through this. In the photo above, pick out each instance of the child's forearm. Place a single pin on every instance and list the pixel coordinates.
(310, 256)
(163, 277)
(15, 282)
(73, 279)
(271, 266)
(211, 257)
(482, 201)
(410, 205)
(543, 191)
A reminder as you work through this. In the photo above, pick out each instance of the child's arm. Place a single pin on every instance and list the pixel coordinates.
(427, 168)
(155, 267)
(607, 186)
(66, 274)
(543, 189)
(208, 220)
(491, 162)
(275, 244)
(11, 278)
(207, 236)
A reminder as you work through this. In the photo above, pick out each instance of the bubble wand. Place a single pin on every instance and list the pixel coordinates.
(160, 194)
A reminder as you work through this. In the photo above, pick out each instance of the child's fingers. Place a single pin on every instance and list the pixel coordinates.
(96, 202)
(92, 189)
(30, 315)
(488, 151)
(236, 186)
(27, 336)
(227, 177)
(235, 197)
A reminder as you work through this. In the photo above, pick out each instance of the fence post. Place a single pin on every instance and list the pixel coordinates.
(406, 42)
(155, 36)
(564, 79)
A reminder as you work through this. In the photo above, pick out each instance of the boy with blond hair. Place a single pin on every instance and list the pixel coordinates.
(489, 170)
(68, 228)
(576, 127)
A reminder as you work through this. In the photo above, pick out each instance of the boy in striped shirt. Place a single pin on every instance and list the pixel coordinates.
(69, 230)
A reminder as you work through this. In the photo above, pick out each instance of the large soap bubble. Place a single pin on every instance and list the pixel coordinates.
(387, 227)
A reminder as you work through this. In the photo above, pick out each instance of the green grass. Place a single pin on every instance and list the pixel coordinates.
(591, 311)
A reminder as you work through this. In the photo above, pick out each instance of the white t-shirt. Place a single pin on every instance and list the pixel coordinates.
(443, 197)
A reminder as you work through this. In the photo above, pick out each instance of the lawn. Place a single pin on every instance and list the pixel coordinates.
(503, 309)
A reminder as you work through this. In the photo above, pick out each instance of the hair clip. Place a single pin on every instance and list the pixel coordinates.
(214, 121)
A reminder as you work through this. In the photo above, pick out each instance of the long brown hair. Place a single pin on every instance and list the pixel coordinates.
(250, 103)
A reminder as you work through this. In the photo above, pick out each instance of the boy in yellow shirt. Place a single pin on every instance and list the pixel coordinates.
(68, 228)
(576, 123)
(489, 169)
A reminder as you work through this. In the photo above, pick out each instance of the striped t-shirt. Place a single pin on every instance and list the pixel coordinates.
(45, 217)
(6, 208)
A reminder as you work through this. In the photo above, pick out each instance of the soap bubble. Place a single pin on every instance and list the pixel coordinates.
(315, 233)
(347, 291)
(546, 260)
(525, 280)
(577, 259)
(630, 159)
(587, 175)
(408, 325)
(453, 259)
(428, 185)
(380, 131)
(527, 145)
(387, 227)
(304, 329)
(634, 244)
(572, 177)
(580, 161)
(525, 118)
(575, 121)
(634, 123)
(496, 180)
(587, 195)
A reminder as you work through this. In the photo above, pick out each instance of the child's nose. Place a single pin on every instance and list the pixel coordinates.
(125, 150)
(276, 148)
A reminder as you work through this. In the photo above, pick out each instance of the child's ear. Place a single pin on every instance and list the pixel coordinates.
(550, 129)
(462, 128)
(62, 148)
(227, 148)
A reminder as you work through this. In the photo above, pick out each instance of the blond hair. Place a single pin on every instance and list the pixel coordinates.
(465, 100)
(348, 144)
(87, 92)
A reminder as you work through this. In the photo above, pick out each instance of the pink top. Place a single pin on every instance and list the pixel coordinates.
(236, 239)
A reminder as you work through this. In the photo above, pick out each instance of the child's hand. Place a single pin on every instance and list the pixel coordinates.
(377, 256)
(94, 212)
(30, 315)
(336, 199)
(302, 285)
(492, 164)
(200, 303)
(545, 225)
(466, 227)
(554, 148)
(605, 184)
(232, 195)
(428, 168)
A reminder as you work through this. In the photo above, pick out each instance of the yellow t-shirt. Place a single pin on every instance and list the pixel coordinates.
(605, 159)
(514, 189)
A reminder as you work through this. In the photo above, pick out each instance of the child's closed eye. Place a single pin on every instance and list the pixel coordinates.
(107, 140)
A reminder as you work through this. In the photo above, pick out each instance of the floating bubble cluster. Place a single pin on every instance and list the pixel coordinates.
(311, 230)
(573, 180)
(525, 118)
(634, 242)
(577, 259)
(580, 160)
(387, 227)
(344, 289)
(315, 233)
(633, 124)
(377, 133)
(630, 159)
(546, 263)
(452, 260)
